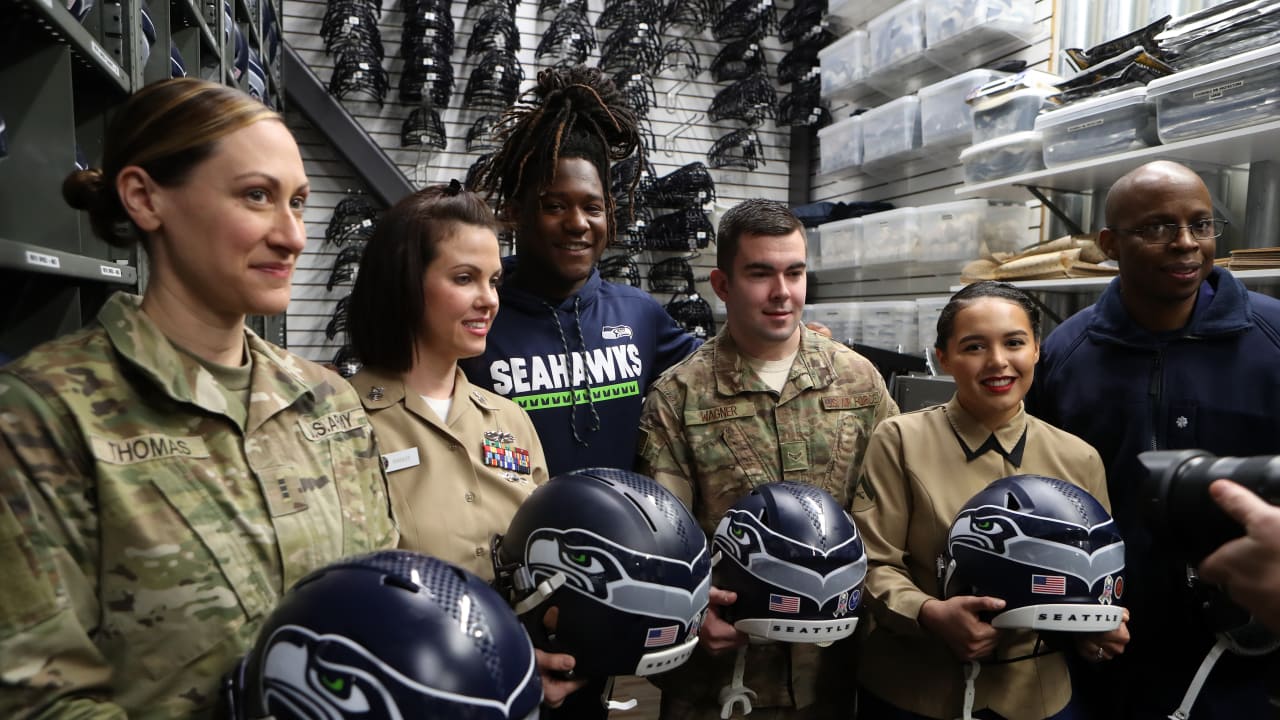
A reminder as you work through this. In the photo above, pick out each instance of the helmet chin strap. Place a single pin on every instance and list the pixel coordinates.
(971, 671)
(735, 693)
(540, 594)
(1206, 666)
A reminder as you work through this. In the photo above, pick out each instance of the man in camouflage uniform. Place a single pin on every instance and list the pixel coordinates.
(156, 506)
(766, 400)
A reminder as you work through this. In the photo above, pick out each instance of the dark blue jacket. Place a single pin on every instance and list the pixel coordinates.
(1213, 385)
(620, 340)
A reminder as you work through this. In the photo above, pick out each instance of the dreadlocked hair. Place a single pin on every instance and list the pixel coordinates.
(582, 113)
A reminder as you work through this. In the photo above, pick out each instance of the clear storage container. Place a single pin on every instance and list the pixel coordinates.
(945, 118)
(813, 248)
(969, 31)
(849, 14)
(896, 34)
(841, 318)
(927, 312)
(1011, 112)
(890, 325)
(839, 243)
(897, 62)
(843, 63)
(1230, 93)
(840, 145)
(891, 129)
(1106, 125)
(1005, 156)
(969, 229)
(889, 237)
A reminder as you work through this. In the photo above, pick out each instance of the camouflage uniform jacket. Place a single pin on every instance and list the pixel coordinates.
(712, 430)
(145, 535)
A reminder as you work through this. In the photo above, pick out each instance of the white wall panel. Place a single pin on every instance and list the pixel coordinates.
(331, 177)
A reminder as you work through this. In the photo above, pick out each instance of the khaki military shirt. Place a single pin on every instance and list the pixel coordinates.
(917, 475)
(711, 430)
(449, 495)
(144, 534)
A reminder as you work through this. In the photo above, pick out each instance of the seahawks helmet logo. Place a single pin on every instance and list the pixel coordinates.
(330, 677)
(772, 557)
(1029, 539)
(617, 576)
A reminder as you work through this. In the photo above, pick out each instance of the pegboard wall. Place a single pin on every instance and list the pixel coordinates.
(681, 132)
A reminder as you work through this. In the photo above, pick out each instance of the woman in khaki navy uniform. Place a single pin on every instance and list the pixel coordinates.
(166, 474)
(920, 469)
(459, 459)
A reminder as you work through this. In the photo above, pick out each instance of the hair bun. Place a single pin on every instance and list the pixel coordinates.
(83, 189)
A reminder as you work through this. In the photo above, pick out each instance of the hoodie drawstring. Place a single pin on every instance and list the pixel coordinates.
(568, 357)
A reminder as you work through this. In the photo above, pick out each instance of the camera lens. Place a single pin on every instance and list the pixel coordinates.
(1178, 508)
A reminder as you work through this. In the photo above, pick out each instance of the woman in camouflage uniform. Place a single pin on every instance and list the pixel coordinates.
(165, 473)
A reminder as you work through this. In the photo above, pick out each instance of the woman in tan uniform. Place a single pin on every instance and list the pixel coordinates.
(459, 459)
(920, 468)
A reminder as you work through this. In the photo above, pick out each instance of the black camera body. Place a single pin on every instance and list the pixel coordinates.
(1177, 505)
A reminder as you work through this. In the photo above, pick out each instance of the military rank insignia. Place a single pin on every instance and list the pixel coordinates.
(500, 452)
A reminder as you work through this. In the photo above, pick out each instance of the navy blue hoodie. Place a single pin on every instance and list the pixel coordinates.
(586, 410)
(1213, 385)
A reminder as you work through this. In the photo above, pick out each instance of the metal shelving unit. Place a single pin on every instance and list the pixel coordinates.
(1234, 147)
(60, 80)
(1267, 278)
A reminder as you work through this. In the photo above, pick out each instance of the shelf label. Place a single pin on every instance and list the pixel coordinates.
(42, 260)
(110, 271)
(104, 57)
(1214, 93)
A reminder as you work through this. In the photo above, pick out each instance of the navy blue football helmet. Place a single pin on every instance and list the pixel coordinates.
(623, 560)
(389, 634)
(796, 561)
(1044, 546)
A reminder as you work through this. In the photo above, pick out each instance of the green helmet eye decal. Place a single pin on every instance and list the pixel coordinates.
(737, 531)
(336, 685)
(580, 558)
(983, 524)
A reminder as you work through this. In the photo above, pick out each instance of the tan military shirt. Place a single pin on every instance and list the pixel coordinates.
(711, 430)
(145, 534)
(448, 501)
(914, 481)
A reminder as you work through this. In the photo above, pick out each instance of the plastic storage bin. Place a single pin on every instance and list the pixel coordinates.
(897, 34)
(849, 14)
(1230, 93)
(1005, 156)
(891, 129)
(842, 318)
(840, 145)
(969, 229)
(945, 118)
(813, 248)
(840, 243)
(897, 62)
(843, 63)
(970, 31)
(927, 312)
(1106, 125)
(1007, 113)
(889, 237)
(890, 325)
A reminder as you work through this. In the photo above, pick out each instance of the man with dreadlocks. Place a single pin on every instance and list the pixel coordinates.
(577, 352)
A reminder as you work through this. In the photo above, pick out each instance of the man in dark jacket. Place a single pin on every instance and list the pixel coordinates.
(1175, 354)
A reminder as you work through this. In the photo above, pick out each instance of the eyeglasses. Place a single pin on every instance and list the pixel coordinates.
(1166, 233)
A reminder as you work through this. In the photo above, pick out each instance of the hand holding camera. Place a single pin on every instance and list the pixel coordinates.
(1248, 567)
(1221, 514)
